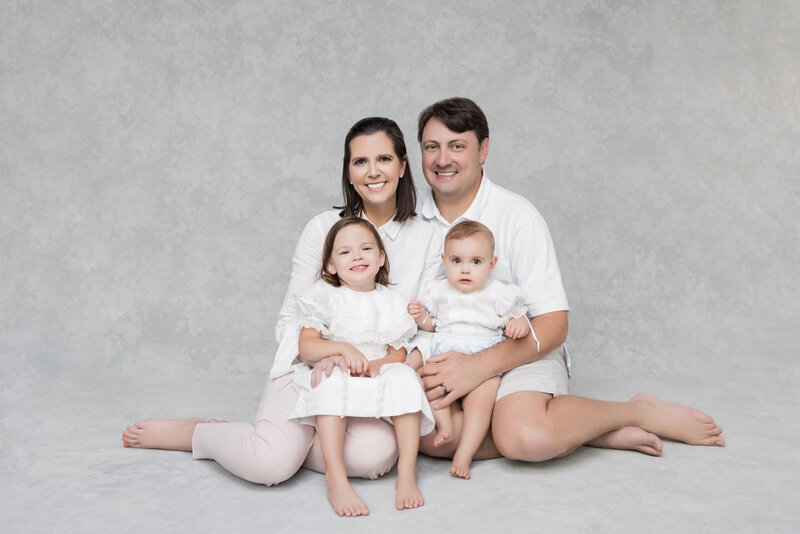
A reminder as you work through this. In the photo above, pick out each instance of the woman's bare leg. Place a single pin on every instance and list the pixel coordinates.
(406, 427)
(343, 498)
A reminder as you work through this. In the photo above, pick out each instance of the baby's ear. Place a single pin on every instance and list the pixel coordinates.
(492, 263)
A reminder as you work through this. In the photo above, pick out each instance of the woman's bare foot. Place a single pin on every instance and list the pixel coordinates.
(408, 494)
(630, 438)
(169, 434)
(442, 437)
(460, 465)
(681, 423)
(343, 498)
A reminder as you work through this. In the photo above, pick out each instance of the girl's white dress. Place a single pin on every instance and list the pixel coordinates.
(471, 322)
(371, 321)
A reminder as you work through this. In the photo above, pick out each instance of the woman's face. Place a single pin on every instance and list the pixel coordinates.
(375, 170)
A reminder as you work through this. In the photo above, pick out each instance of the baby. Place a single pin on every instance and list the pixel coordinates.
(468, 313)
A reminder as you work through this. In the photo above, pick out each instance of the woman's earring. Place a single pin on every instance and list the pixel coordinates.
(401, 176)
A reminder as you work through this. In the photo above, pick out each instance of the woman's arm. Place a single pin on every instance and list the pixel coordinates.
(392, 356)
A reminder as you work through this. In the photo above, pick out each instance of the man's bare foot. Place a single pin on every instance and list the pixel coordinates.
(460, 465)
(442, 437)
(169, 434)
(631, 438)
(408, 494)
(681, 423)
(344, 499)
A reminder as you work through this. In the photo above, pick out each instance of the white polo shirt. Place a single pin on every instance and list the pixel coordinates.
(523, 246)
(414, 250)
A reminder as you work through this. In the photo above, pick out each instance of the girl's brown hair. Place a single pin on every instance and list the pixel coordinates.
(382, 277)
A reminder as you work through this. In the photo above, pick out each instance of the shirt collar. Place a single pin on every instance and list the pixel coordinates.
(389, 229)
(429, 210)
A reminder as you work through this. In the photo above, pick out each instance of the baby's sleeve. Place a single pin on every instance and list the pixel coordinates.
(510, 303)
(404, 328)
(315, 309)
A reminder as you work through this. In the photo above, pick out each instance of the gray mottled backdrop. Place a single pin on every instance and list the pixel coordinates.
(159, 159)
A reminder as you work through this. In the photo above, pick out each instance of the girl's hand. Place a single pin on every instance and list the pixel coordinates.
(518, 328)
(417, 311)
(356, 361)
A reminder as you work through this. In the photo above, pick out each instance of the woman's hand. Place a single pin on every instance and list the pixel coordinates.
(458, 372)
(356, 361)
(325, 366)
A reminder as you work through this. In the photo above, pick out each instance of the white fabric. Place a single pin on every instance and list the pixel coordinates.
(525, 253)
(370, 321)
(413, 248)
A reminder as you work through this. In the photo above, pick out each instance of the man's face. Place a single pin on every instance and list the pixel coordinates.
(452, 161)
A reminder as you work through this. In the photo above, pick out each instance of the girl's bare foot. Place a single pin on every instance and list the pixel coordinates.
(442, 437)
(681, 423)
(631, 438)
(169, 434)
(460, 465)
(343, 498)
(408, 494)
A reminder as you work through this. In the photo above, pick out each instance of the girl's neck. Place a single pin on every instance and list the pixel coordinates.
(363, 288)
(380, 215)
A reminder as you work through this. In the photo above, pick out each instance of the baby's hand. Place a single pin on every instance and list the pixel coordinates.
(518, 327)
(417, 311)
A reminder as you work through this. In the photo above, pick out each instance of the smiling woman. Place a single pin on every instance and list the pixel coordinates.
(273, 448)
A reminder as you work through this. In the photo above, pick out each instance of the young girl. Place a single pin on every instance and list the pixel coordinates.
(351, 313)
(468, 312)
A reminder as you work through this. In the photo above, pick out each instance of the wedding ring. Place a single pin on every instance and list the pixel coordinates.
(443, 388)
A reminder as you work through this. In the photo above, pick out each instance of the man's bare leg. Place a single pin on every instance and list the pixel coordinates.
(477, 417)
(343, 498)
(630, 438)
(535, 426)
(168, 434)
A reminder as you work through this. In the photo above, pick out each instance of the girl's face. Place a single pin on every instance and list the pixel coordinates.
(355, 258)
(375, 170)
(468, 262)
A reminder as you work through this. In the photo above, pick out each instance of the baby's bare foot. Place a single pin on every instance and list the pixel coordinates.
(678, 422)
(631, 438)
(460, 465)
(169, 434)
(344, 499)
(408, 494)
(442, 437)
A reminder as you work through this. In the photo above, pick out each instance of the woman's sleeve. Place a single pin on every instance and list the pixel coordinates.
(306, 262)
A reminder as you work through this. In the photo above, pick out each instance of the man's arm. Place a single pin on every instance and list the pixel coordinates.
(460, 374)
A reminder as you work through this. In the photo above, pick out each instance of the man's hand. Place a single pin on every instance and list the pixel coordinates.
(518, 328)
(459, 373)
(325, 366)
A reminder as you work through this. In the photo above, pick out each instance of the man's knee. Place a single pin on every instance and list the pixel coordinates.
(530, 442)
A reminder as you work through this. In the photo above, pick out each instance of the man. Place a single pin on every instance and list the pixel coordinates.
(533, 419)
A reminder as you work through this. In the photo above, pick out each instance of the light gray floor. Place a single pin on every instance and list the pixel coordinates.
(64, 469)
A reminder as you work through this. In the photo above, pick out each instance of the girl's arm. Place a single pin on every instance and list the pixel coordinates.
(313, 349)
(392, 356)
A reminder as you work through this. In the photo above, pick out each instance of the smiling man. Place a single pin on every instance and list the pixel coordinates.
(534, 418)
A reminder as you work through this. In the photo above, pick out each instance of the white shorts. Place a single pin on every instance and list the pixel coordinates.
(547, 375)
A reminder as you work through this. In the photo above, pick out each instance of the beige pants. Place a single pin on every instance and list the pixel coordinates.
(273, 449)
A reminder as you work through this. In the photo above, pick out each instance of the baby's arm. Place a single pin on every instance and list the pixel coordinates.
(517, 327)
(424, 320)
(392, 356)
(313, 349)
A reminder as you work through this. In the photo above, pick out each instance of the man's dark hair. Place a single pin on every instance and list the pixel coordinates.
(459, 114)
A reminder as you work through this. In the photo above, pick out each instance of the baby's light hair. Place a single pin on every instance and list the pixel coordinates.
(382, 277)
(466, 229)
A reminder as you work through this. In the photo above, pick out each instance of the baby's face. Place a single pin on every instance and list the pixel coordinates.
(468, 262)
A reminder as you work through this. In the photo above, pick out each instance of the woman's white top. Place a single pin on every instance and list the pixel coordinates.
(413, 248)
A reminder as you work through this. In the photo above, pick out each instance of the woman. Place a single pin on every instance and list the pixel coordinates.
(377, 185)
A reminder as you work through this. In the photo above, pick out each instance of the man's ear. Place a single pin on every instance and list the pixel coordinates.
(492, 263)
(484, 150)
